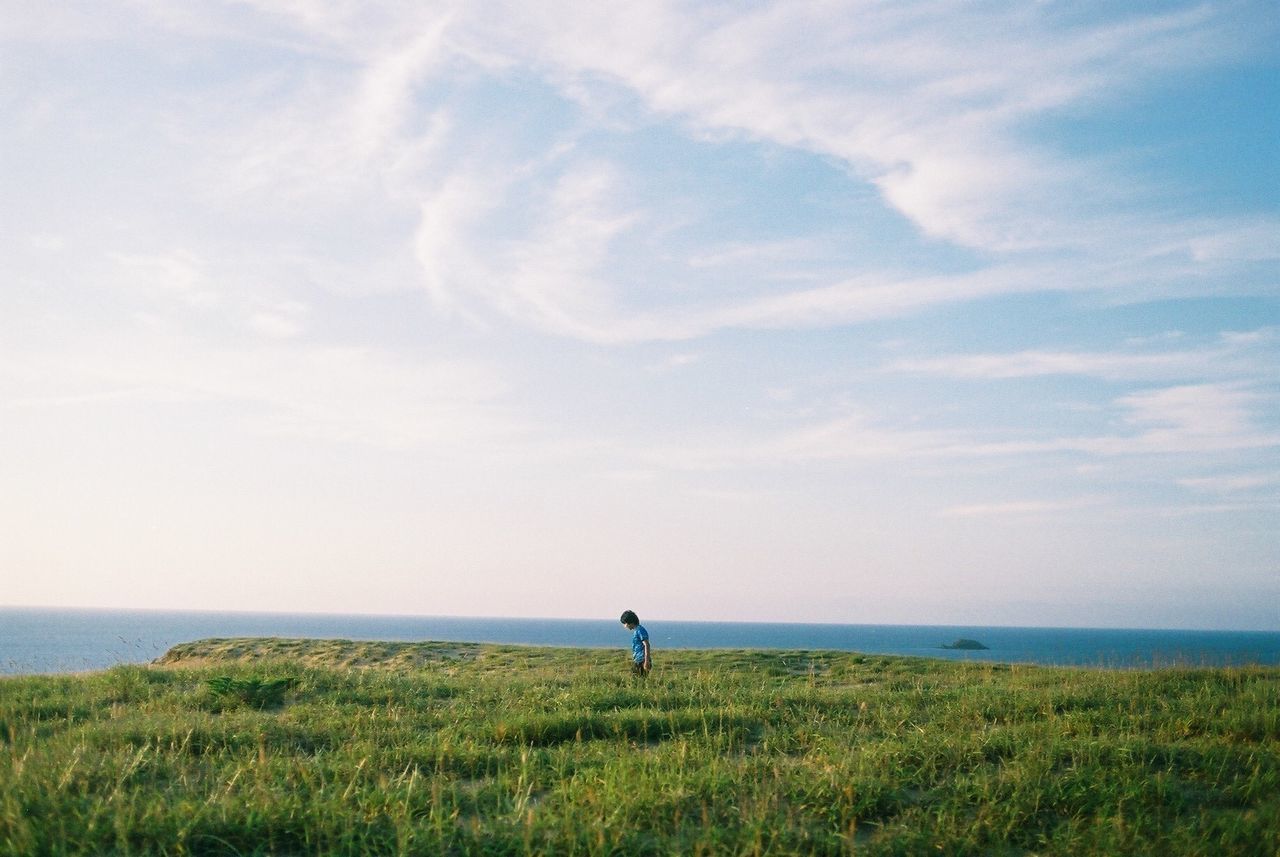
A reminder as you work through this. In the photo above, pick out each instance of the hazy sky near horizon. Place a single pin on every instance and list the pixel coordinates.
(902, 312)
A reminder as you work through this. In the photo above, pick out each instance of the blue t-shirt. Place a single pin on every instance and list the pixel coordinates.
(638, 638)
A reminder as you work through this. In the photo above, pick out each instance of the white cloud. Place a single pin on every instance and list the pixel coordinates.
(382, 106)
(176, 275)
(1185, 421)
(282, 320)
(676, 361)
(925, 102)
(1029, 364)
(898, 95)
(1231, 484)
(1194, 410)
(849, 438)
(347, 394)
(1245, 354)
(1245, 242)
(442, 241)
(47, 242)
(1013, 508)
(739, 254)
(553, 274)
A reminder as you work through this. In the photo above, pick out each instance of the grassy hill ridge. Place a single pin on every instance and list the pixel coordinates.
(267, 746)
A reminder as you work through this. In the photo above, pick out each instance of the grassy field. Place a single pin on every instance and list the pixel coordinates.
(332, 747)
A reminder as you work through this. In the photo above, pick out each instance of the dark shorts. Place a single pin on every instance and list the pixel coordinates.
(637, 668)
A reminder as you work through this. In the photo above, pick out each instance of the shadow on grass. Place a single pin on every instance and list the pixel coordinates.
(545, 730)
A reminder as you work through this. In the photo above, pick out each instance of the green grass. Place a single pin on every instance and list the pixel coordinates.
(333, 747)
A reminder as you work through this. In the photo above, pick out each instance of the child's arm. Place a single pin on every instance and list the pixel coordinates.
(648, 664)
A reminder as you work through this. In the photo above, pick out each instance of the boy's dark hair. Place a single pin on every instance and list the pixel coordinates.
(630, 618)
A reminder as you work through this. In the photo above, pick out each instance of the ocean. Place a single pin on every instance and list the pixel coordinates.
(45, 640)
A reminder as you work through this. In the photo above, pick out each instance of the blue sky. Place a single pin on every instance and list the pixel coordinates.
(848, 312)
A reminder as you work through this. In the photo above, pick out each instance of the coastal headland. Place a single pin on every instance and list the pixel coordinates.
(268, 746)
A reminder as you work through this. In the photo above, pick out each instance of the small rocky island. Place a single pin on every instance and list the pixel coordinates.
(964, 643)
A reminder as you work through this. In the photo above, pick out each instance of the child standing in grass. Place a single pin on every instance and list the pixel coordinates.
(640, 652)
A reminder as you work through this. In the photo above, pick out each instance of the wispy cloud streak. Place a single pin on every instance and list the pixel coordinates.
(930, 115)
